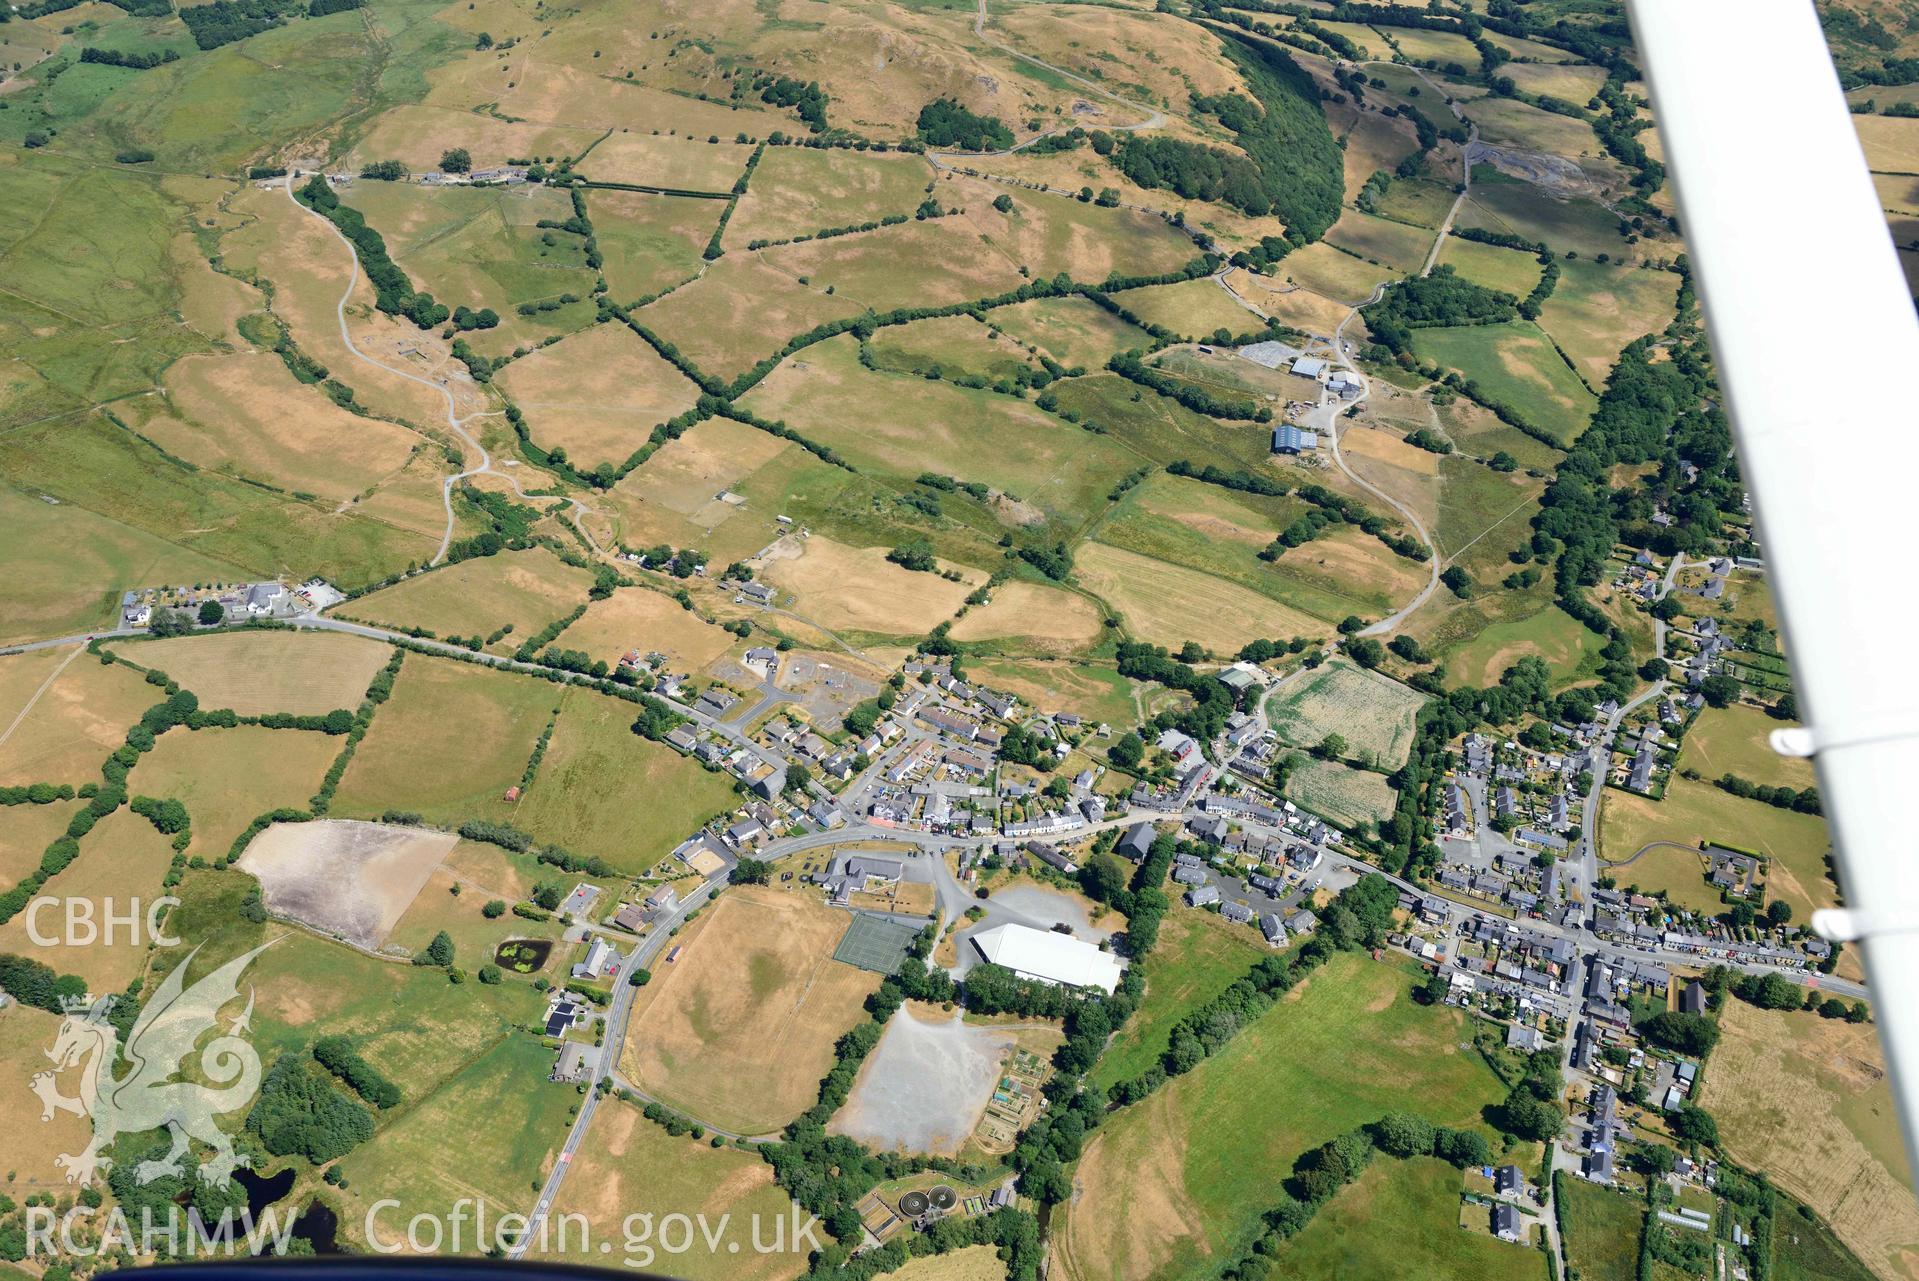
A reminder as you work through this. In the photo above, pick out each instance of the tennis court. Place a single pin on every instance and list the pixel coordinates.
(875, 943)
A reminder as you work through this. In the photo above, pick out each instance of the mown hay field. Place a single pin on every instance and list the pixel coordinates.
(1597, 309)
(635, 618)
(57, 727)
(598, 394)
(1347, 796)
(1373, 713)
(1806, 1099)
(228, 777)
(650, 160)
(858, 589)
(904, 426)
(740, 1029)
(1192, 308)
(523, 590)
(629, 1161)
(306, 673)
(1512, 271)
(120, 867)
(1073, 331)
(800, 190)
(1046, 618)
(1170, 604)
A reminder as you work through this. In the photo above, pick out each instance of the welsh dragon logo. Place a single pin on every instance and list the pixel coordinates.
(141, 1091)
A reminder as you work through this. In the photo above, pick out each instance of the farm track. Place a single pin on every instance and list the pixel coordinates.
(576, 510)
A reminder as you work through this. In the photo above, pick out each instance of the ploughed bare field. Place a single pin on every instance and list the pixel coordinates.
(350, 879)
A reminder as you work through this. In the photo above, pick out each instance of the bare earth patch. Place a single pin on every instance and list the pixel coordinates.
(925, 1086)
(342, 877)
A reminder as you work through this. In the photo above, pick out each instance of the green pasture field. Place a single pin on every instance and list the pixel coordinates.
(1500, 203)
(1481, 508)
(1381, 240)
(1597, 309)
(1186, 1174)
(1196, 309)
(1199, 955)
(1691, 812)
(1347, 796)
(1401, 83)
(448, 743)
(1160, 429)
(1402, 1219)
(1073, 331)
(1511, 271)
(603, 790)
(1515, 364)
(956, 346)
(93, 464)
(1476, 431)
(66, 567)
(1804, 1249)
(1220, 532)
(1602, 1230)
(649, 242)
(1566, 645)
(1373, 713)
(479, 247)
(1417, 200)
(904, 426)
(1733, 740)
(414, 1026)
(217, 111)
(87, 243)
(509, 1120)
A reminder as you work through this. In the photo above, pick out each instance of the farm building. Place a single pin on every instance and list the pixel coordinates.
(1049, 957)
(1294, 440)
(1309, 366)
